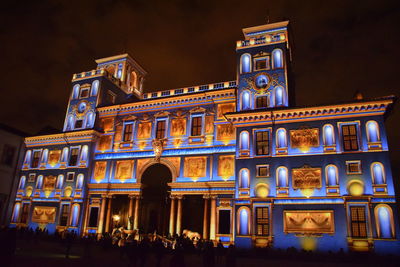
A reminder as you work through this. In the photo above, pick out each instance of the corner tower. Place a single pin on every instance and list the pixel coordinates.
(262, 69)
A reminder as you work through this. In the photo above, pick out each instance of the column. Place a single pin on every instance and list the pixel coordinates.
(86, 217)
(130, 212)
(136, 216)
(179, 216)
(213, 217)
(108, 217)
(101, 220)
(172, 217)
(205, 217)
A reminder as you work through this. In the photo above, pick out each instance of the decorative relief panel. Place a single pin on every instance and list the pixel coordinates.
(225, 132)
(44, 214)
(303, 138)
(209, 124)
(195, 167)
(54, 157)
(176, 161)
(107, 124)
(226, 166)
(178, 127)
(124, 169)
(309, 222)
(104, 143)
(49, 183)
(306, 178)
(100, 170)
(225, 108)
(144, 130)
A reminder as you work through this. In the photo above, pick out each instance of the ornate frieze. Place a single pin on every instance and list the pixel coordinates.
(309, 222)
(195, 167)
(44, 214)
(306, 178)
(304, 138)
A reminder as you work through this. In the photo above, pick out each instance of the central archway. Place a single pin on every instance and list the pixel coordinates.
(154, 215)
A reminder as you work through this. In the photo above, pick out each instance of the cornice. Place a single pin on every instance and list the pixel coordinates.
(311, 113)
(62, 138)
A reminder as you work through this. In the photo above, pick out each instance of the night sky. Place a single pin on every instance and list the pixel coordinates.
(339, 47)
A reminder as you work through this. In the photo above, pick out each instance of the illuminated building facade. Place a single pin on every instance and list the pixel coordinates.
(235, 161)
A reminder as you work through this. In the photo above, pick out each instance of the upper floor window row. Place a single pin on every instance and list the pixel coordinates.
(273, 61)
(86, 91)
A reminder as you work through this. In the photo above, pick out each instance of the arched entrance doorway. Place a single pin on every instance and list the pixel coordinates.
(155, 203)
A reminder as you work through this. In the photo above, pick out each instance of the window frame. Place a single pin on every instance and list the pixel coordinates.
(257, 142)
(358, 222)
(264, 98)
(125, 134)
(268, 171)
(267, 61)
(84, 89)
(62, 213)
(78, 148)
(261, 221)
(349, 162)
(161, 133)
(39, 151)
(198, 128)
(68, 175)
(358, 141)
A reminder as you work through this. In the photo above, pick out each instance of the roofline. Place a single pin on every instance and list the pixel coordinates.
(265, 27)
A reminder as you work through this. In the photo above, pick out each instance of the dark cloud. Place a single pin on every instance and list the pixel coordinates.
(340, 47)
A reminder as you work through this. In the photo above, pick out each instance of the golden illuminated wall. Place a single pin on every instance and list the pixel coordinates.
(124, 169)
(225, 132)
(209, 125)
(225, 108)
(309, 222)
(49, 182)
(107, 124)
(306, 178)
(144, 130)
(44, 214)
(304, 138)
(100, 170)
(178, 127)
(195, 167)
(104, 143)
(54, 157)
(226, 166)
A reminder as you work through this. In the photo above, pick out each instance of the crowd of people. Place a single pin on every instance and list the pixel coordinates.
(137, 250)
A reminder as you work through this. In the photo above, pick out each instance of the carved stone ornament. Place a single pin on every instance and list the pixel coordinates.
(157, 148)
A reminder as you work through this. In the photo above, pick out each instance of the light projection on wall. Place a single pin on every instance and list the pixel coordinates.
(104, 143)
(49, 185)
(16, 210)
(245, 63)
(29, 191)
(277, 59)
(209, 125)
(107, 124)
(332, 176)
(328, 135)
(281, 139)
(262, 190)
(225, 108)
(373, 131)
(60, 181)
(225, 133)
(22, 182)
(245, 100)
(195, 167)
(226, 166)
(68, 191)
(244, 178)
(309, 222)
(100, 170)
(178, 127)
(282, 176)
(54, 157)
(75, 215)
(42, 214)
(378, 173)
(306, 179)
(243, 221)
(124, 169)
(303, 139)
(144, 130)
(355, 188)
(95, 88)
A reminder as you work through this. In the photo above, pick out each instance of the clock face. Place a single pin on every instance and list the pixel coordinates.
(261, 81)
(82, 107)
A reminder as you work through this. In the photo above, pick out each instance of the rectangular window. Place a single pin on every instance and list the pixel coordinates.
(78, 124)
(73, 157)
(24, 213)
(84, 93)
(128, 132)
(262, 170)
(261, 63)
(262, 222)
(94, 215)
(353, 167)
(196, 126)
(35, 159)
(358, 222)
(224, 224)
(64, 215)
(8, 155)
(350, 138)
(262, 143)
(70, 176)
(262, 102)
(160, 130)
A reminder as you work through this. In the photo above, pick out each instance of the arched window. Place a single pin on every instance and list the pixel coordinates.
(277, 59)
(64, 155)
(373, 134)
(60, 181)
(22, 182)
(75, 215)
(245, 63)
(281, 139)
(245, 100)
(70, 123)
(384, 221)
(244, 178)
(79, 181)
(244, 143)
(45, 155)
(378, 173)
(279, 96)
(243, 219)
(328, 135)
(16, 210)
(39, 182)
(90, 120)
(119, 71)
(282, 177)
(95, 88)
(27, 160)
(84, 153)
(331, 175)
(133, 81)
(75, 91)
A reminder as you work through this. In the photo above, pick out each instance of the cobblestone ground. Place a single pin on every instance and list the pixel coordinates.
(46, 253)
